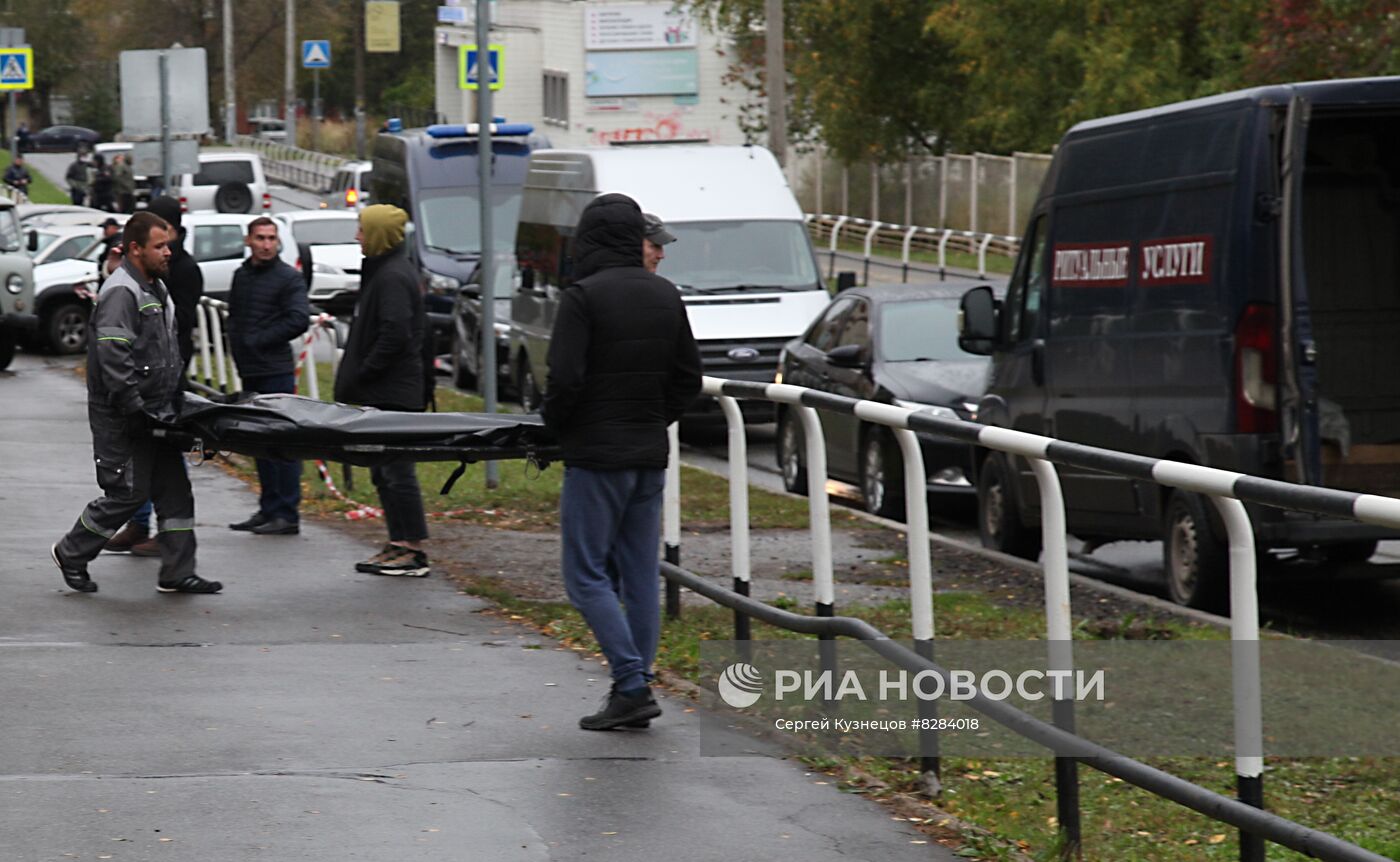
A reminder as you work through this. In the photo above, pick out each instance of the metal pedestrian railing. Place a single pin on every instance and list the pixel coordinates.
(1225, 489)
(213, 371)
(303, 169)
(829, 228)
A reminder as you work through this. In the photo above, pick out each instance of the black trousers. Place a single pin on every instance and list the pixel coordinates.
(402, 499)
(154, 470)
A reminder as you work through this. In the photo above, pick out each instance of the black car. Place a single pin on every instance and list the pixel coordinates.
(466, 330)
(62, 138)
(896, 344)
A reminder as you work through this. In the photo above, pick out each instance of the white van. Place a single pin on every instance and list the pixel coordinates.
(229, 181)
(742, 257)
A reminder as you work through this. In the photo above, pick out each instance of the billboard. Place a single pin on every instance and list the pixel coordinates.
(641, 73)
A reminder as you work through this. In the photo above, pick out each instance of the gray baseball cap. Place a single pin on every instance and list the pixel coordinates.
(656, 230)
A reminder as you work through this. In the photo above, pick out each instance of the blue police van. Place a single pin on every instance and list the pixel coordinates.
(432, 173)
(1217, 282)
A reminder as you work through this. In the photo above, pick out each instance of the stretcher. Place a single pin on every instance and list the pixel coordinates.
(294, 428)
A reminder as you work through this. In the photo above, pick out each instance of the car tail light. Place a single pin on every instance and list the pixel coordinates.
(1256, 370)
(351, 197)
(184, 204)
(267, 201)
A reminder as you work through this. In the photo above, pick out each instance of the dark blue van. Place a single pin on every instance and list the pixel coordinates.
(1217, 282)
(432, 174)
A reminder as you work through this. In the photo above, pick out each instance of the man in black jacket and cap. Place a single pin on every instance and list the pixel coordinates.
(623, 365)
(267, 308)
(384, 366)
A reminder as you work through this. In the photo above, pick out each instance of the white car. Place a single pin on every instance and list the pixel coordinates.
(349, 187)
(63, 292)
(229, 181)
(335, 255)
(61, 242)
(216, 241)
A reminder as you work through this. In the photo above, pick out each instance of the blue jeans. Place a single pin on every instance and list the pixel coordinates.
(143, 514)
(280, 480)
(610, 521)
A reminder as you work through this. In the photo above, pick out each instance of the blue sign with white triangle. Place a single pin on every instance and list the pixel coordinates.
(468, 62)
(16, 68)
(316, 54)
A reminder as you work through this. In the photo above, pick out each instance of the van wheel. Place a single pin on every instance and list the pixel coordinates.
(790, 454)
(8, 342)
(1194, 559)
(462, 376)
(1350, 552)
(998, 522)
(67, 328)
(881, 475)
(530, 397)
(233, 197)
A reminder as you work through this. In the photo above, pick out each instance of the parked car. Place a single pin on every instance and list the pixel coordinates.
(61, 242)
(217, 243)
(895, 344)
(269, 128)
(350, 187)
(466, 328)
(1209, 282)
(63, 294)
(229, 181)
(32, 215)
(61, 138)
(327, 237)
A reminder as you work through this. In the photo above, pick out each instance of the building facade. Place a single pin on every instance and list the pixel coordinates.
(590, 72)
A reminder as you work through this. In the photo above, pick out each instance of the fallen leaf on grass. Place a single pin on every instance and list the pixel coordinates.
(1216, 839)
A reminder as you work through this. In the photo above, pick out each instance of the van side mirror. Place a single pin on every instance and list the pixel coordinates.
(977, 321)
(845, 280)
(33, 240)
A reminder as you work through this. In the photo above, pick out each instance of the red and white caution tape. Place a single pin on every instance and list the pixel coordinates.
(364, 511)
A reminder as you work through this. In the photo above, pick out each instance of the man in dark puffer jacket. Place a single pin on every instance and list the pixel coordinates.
(267, 308)
(622, 366)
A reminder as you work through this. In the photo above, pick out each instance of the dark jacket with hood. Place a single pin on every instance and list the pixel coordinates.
(622, 360)
(384, 365)
(267, 308)
(185, 279)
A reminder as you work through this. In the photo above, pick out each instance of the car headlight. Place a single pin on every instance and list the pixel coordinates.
(443, 283)
(936, 409)
(327, 269)
(15, 283)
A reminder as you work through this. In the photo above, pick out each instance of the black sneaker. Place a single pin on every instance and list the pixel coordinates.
(372, 565)
(401, 562)
(276, 527)
(257, 520)
(76, 578)
(190, 584)
(623, 711)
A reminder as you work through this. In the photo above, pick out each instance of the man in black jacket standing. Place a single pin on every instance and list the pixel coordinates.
(622, 366)
(384, 366)
(267, 308)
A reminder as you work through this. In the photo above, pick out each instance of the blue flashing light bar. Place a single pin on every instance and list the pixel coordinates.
(394, 124)
(472, 130)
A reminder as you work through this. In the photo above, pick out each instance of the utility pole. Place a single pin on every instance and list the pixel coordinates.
(359, 79)
(230, 106)
(487, 266)
(289, 98)
(776, 79)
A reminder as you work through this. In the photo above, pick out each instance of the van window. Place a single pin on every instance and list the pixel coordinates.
(449, 219)
(218, 173)
(714, 256)
(218, 242)
(823, 333)
(1027, 289)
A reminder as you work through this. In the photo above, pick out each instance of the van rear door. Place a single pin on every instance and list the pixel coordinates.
(1298, 359)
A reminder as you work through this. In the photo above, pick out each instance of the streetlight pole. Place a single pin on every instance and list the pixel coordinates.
(776, 79)
(230, 108)
(289, 97)
(487, 266)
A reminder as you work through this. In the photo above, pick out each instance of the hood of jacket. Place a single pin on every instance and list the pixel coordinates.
(609, 234)
(383, 226)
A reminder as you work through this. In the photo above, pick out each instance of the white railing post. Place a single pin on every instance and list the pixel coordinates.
(982, 256)
(740, 561)
(202, 312)
(869, 238)
(943, 252)
(671, 517)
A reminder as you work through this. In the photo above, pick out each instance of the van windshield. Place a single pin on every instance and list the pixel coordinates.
(450, 219)
(711, 257)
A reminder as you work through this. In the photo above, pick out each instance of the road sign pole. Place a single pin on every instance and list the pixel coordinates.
(488, 247)
(165, 171)
(315, 109)
(14, 126)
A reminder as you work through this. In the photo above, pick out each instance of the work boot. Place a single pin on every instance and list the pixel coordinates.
(76, 577)
(623, 710)
(190, 584)
(126, 538)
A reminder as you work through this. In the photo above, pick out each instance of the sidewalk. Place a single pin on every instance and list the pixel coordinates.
(311, 712)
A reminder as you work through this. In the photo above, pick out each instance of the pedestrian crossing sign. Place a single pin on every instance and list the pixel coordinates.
(468, 75)
(16, 68)
(316, 54)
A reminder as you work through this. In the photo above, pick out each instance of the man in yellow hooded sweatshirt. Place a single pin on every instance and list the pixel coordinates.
(384, 366)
